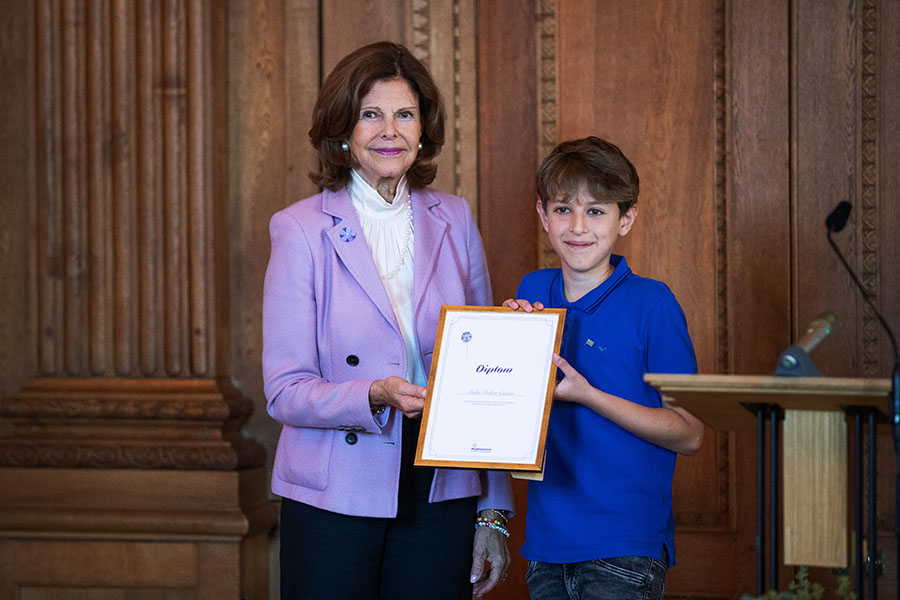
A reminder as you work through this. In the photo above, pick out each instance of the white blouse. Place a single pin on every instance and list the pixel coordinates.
(388, 229)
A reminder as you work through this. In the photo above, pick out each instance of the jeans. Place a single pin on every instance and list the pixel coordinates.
(622, 578)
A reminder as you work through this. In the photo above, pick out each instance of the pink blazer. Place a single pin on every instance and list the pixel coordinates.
(329, 331)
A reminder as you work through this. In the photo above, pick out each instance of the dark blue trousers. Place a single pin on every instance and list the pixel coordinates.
(425, 552)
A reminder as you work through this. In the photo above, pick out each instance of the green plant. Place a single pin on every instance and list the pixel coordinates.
(802, 589)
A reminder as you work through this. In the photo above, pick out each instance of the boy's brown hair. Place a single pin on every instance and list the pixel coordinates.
(591, 162)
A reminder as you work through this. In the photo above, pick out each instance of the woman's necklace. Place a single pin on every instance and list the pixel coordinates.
(407, 238)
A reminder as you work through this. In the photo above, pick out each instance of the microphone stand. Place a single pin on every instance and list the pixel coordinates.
(893, 407)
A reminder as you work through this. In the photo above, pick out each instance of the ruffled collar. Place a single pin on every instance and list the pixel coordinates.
(368, 202)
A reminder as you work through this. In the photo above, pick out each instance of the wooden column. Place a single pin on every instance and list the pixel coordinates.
(123, 466)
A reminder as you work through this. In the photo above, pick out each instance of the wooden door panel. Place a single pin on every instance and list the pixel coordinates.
(642, 76)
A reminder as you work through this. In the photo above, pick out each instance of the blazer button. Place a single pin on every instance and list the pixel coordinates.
(350, 438)
(353, 360)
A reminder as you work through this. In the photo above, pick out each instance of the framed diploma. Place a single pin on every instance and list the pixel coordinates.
(490, 388)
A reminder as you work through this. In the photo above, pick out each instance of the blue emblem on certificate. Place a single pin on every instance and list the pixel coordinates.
(466, 336)
(347, 234)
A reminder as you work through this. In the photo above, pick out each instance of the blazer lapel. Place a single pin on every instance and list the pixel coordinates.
(429, 234)
(350, 245)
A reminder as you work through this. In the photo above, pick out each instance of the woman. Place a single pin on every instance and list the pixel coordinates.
(353, 292)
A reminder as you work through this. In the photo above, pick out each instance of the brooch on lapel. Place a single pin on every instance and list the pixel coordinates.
(347, 234)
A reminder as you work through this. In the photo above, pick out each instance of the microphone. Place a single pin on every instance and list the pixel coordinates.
(795, 360)
(838, 217)
(817, 331)
(835, 222)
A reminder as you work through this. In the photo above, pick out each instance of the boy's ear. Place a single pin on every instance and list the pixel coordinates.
(543, 215)
(627, 220)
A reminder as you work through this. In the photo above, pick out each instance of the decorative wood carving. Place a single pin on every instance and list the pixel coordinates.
(442, 36)
(128, 201)
(869, 169)
(548, 95)
(721, 177)
(723, 517)
(129, 438)
(130, 424)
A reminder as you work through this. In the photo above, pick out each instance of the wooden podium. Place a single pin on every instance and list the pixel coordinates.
(814, 444)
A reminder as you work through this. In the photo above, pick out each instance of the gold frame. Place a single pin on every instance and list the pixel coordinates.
(431, 399)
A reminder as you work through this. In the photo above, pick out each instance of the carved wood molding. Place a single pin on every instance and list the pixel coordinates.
(138, 504)
(194, 399)
(442, 35)
(100, 523)
(720, 519)
(421, 30)
(723, 358)
(869, 185)
(548, 94)
(120, 454)
(457, 109)
(130, 424)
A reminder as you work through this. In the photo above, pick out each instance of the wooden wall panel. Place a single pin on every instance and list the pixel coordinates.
(887, 178)
(443, 37)
(640, 76)
(274, 51)
(507, 140)
(826, 161)
(17, 175)
(507, 160)
(756, 242)
(759, 175)
(349, 24)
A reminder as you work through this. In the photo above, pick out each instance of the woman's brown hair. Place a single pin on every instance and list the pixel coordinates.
(337, 111)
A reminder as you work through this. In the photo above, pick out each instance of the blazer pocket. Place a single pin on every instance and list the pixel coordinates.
(304, 456)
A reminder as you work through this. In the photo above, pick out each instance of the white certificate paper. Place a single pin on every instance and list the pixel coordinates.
(490, 388)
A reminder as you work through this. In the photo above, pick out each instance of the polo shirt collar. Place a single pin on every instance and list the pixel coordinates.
(592, 299)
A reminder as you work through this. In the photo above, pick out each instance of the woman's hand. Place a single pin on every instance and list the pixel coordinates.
(490, 546)
(525, 305)
(399, 393)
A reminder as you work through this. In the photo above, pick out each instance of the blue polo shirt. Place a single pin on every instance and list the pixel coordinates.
(607, 492)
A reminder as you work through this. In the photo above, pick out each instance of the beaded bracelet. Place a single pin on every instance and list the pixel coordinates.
(499, 513)
(494, 524)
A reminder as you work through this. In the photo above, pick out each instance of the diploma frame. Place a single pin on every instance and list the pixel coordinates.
(504, 427)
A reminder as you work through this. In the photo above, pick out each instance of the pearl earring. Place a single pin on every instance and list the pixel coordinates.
(345, 146)
(420, 145)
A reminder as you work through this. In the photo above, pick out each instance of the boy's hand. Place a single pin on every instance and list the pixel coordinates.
(573, 387)
(525, 305)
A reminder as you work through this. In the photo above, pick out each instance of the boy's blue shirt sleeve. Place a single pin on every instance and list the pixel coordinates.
(669, 348)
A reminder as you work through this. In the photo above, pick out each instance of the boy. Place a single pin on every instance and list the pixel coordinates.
(600, 524)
